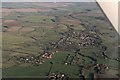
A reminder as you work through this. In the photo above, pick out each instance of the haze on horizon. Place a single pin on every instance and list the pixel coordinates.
(47, 1)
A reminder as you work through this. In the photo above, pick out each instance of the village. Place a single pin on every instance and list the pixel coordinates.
(69, 42)
(58, 41)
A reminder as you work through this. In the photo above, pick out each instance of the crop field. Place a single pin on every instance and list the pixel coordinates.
(43, 39)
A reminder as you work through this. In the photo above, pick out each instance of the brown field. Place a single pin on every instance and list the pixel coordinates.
(24, 10)
(6, 14)
(11, 22)
(27, 29)
(56, 5)
(70, 21)
(14, 29)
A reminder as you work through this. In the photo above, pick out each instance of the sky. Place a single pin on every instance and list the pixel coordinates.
(47, 0)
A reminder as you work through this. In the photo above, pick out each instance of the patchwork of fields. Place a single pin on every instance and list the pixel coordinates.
(42, 39)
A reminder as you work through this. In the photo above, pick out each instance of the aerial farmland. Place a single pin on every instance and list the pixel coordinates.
(65, 39)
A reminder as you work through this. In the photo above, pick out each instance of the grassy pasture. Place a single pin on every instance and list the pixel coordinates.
(37, 30)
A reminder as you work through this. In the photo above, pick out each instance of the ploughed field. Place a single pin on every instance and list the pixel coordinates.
(40, 39)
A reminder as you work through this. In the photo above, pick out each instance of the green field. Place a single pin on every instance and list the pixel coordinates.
(57, 30)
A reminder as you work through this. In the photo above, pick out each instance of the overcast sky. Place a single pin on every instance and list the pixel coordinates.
(47, 0)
